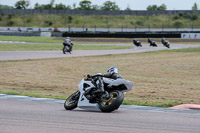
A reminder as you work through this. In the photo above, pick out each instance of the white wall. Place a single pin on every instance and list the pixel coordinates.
(190, 35)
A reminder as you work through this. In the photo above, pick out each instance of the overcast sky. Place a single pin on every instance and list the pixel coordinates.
(133, 4)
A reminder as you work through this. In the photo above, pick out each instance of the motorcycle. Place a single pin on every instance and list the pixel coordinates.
(165, 43)
(137, 43)
(89, 97)
(152, 43)
(67, 47)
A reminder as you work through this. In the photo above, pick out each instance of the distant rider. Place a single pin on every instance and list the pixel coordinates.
(163, 40)
(68, 43)
(137, 43)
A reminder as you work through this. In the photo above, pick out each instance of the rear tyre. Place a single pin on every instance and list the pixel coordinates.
(113, 102)
(72, 101)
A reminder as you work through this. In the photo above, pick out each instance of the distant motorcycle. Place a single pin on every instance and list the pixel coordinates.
(165, 43)
(152, 43)
(67, 46)
(66, 49)
(137, 43)
(88, 96)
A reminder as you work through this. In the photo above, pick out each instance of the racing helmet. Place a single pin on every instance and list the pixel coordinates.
(68, 38)
(112, 69)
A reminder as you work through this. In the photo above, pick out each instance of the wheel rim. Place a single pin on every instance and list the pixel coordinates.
(111, 99)
(71, 100)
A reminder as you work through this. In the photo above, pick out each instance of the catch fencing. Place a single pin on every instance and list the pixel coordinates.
(97, 12)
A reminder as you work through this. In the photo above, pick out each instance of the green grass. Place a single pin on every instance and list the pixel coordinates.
(126, 102)
(30, 39)
(101, 21)
(37, 47)
(157, 104)
(178, 50)
(88, 40)
(187, 50)
(59, 40)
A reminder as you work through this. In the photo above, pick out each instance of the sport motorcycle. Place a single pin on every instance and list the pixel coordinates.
(89, 97)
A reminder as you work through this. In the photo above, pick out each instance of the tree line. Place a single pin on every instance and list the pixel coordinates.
(83, 5)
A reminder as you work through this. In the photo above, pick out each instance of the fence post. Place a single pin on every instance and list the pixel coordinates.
(135, 28)
(162, 27)
(65, 21)
(149, 27)
(69, 28)
(44, 22)
(83, 27)
(122, 28)
(192, 27)
(108, 28)
(95, 28)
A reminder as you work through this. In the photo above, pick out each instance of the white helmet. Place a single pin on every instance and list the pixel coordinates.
(112, 69)
(68, 38)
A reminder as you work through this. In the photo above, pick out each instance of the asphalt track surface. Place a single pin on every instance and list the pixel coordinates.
(36, 115)
(21, 55)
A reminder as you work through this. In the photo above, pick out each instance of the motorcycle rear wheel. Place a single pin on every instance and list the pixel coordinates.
(113, 102)
(72, 101)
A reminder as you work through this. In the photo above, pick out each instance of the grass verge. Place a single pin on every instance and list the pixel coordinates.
(30, 39)
(163, 79)
(35, 47)
(77, 40)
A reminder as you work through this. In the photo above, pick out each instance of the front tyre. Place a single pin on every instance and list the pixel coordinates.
(113, 102)
(64, 50)
(72, 101)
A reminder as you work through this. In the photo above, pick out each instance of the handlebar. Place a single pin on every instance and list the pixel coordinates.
(92, 76)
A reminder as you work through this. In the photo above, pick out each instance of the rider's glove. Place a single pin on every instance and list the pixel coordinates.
(89, 76)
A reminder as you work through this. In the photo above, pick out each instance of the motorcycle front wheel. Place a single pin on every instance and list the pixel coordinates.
(167, 45)
(113, 102)
(64, 50)
(72, 101)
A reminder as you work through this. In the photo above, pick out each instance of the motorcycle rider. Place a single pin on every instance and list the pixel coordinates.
(152, 43)
(163, 40)
(112, 73)
(68, 43)
(150, 40)
(137, 43)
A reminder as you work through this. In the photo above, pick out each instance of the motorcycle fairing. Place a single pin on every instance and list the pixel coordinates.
(83, 101)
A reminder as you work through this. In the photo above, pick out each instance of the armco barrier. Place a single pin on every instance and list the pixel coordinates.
(125, 35)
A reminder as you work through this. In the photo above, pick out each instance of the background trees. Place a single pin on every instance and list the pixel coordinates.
(155, 7)
(195, 6)
(85, 5)
(108, 5)
(22, 4)
(82, 5)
